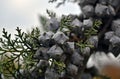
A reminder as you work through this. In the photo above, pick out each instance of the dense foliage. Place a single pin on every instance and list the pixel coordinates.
(63, 50)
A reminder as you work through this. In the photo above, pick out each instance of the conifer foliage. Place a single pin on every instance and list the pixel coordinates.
(62, 51)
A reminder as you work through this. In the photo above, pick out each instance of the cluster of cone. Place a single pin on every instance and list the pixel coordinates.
(61, 55)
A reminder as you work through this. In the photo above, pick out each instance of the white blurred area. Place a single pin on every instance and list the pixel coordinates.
(24, 13)
(100, 60)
